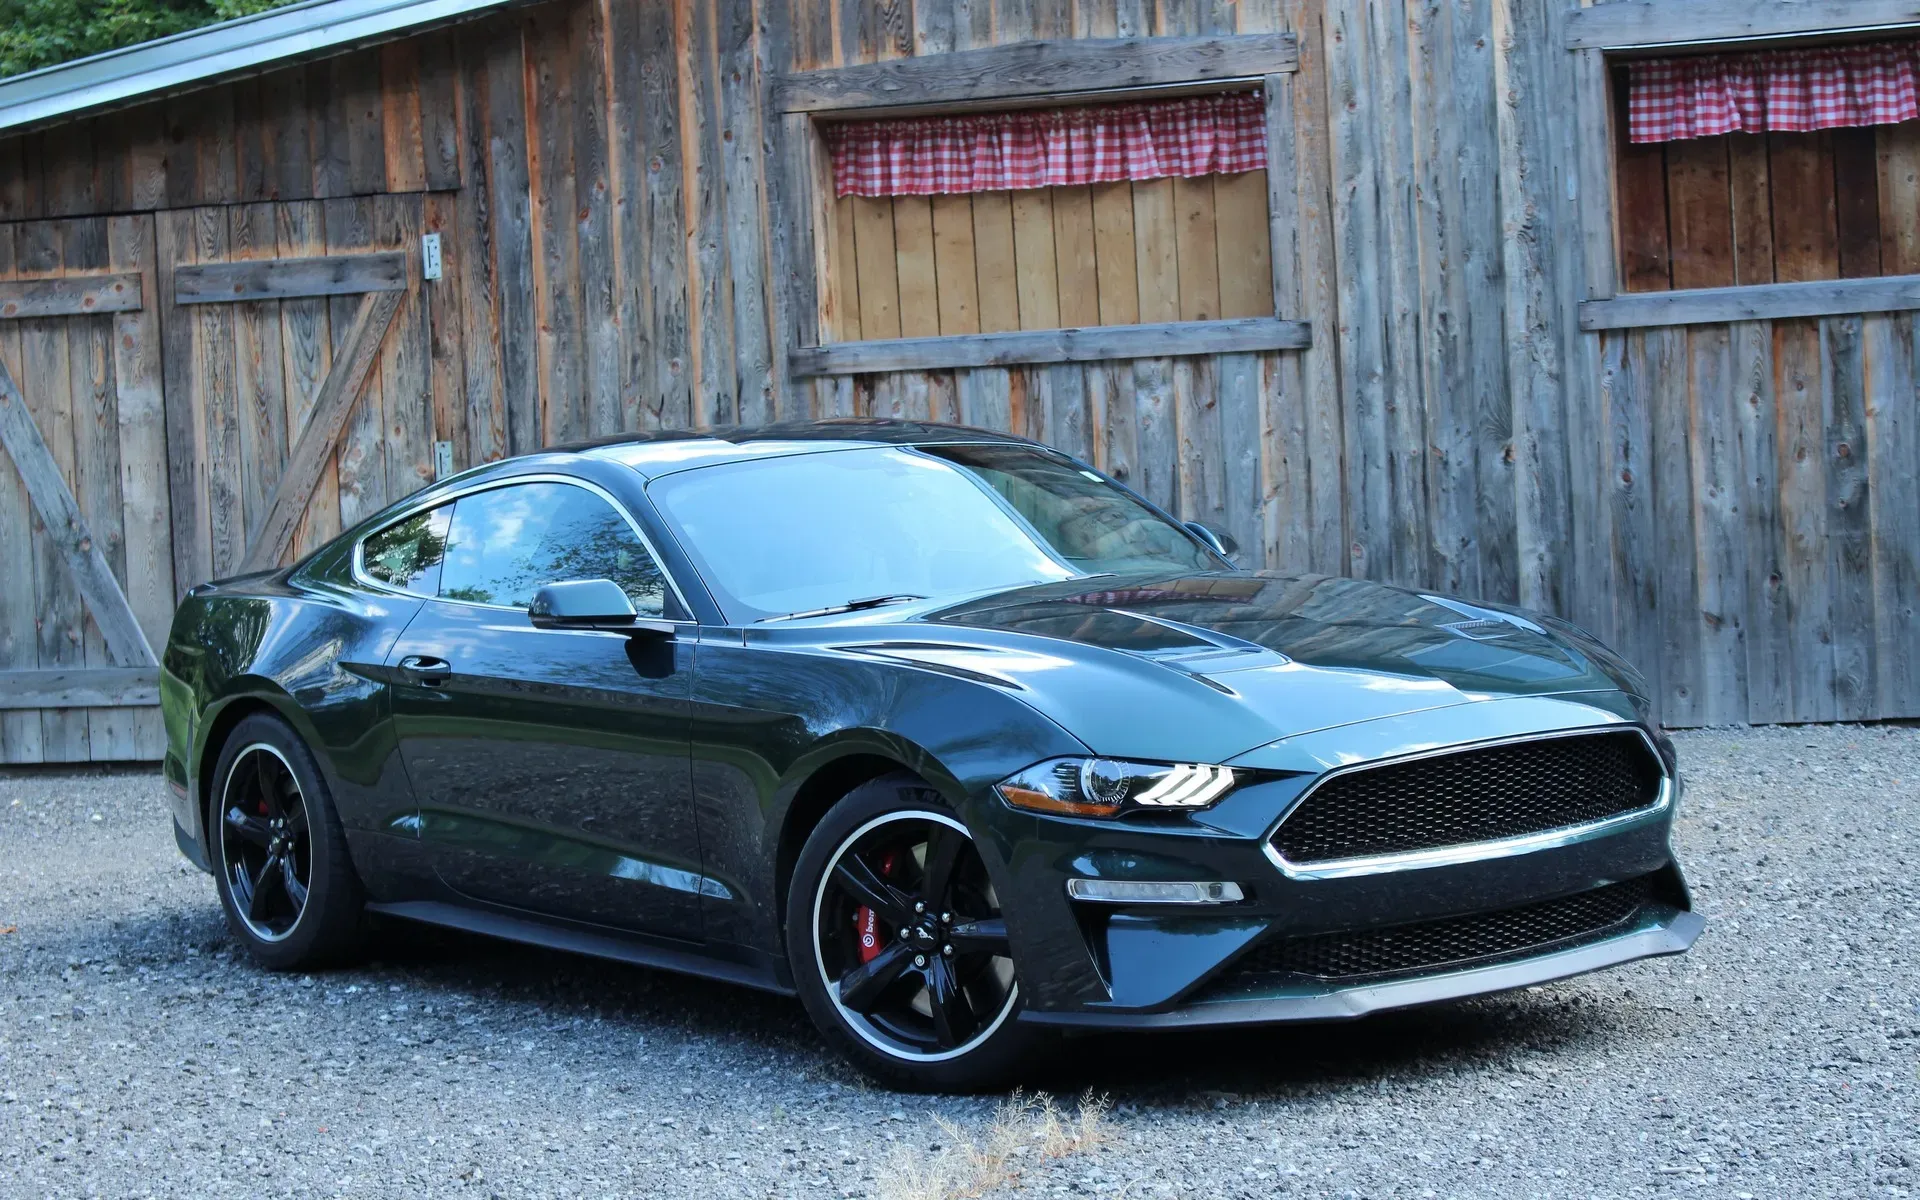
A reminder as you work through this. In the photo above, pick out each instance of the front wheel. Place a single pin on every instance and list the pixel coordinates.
(899, 947)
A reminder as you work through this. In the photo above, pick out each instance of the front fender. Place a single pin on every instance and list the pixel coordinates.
(769, 720)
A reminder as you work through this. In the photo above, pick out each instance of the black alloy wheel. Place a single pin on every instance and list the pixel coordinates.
(280, 857)
(266, 844)
(905, 958)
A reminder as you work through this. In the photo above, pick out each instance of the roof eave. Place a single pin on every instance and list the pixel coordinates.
(202, 56)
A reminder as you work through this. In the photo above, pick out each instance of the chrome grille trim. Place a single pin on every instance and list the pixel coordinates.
(1446, 856)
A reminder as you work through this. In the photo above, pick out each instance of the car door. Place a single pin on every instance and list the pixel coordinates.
(551, 766)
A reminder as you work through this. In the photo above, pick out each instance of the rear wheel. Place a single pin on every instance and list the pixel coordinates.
(286, 883)
(899, 946)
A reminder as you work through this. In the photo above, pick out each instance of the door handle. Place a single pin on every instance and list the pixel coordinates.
(426, 670)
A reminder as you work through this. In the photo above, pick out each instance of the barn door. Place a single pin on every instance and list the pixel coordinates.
(86, 569)
(303, 388)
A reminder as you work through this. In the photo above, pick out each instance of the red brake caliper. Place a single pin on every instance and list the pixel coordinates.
(866, 924)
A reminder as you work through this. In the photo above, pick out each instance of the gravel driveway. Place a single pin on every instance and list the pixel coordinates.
(139, 1056)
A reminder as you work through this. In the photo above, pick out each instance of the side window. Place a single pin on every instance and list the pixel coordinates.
(408, 554)
(509, 542)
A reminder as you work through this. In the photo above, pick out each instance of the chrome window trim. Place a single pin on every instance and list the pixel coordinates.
(1466, 852)
(364, 580)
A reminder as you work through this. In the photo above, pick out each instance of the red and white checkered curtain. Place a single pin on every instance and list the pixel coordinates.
(1785, 91)
(1053, 147)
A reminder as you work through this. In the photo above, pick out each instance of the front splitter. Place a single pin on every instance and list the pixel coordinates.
(1673, 934)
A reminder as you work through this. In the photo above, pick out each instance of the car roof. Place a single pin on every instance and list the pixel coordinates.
(658, 453)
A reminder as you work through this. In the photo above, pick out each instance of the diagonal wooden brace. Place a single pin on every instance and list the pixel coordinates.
(126, 643)
(332, 405)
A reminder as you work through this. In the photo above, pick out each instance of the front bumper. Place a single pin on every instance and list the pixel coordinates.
(1115, 966)
(1671, 932)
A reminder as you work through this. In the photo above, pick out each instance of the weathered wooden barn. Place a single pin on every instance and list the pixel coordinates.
(1463, 327)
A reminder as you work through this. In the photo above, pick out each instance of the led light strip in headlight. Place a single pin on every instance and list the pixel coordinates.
(1188, 785)
(1105, 787)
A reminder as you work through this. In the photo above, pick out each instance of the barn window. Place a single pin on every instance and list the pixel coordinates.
(1767, 166)
(1123, 213)
(1035, 202)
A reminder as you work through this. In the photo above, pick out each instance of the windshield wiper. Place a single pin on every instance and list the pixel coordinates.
(849, 606)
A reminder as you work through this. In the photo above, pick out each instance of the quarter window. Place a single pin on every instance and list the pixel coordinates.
(507, 543)
(408, 554)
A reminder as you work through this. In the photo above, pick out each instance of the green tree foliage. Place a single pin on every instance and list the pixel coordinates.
(40, 33)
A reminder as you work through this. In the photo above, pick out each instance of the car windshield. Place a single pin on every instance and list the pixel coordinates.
(808, 531)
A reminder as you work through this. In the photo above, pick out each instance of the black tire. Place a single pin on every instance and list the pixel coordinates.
(280, 860)
(969, 1040)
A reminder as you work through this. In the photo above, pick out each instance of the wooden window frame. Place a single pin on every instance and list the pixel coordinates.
(1629, 25)
(1016, 75)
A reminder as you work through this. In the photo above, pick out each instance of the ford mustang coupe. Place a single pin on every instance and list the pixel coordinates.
(946, 732)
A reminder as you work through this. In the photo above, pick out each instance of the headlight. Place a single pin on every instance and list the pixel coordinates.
(1105, 787)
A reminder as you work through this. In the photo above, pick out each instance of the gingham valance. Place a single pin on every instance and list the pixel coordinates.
(1051, 147)
(1787, 91)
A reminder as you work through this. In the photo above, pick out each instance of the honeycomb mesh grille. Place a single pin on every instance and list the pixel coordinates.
(1452, 942)
(1472, 796)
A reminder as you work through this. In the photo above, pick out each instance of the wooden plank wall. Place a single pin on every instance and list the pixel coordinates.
(613, 269)
(1761, 516)
(1738, 500)
(1436, 238)
(241, 377)
(615, 219)
(1051, 258)
(92, 384)
(618, 273)
(1730, 506)
(1734, 506)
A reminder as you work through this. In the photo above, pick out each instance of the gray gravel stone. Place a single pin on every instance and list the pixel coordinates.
(139, 1055)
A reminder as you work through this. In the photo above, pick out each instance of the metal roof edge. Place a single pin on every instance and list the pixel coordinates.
(205, 54)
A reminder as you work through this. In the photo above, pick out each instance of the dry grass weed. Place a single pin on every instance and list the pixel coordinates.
(1026, 1132)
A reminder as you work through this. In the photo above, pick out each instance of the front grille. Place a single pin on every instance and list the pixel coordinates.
(1483, 795)
(1452, 942)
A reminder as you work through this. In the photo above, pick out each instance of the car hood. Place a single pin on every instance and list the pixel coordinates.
(1215, 665)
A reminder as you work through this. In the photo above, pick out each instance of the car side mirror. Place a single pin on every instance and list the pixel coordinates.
(1219, 540)
(590, 604)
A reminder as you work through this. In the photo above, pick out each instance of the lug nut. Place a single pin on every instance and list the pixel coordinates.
(946, 918)
(947, 950)
(919, 906)
(919, 960)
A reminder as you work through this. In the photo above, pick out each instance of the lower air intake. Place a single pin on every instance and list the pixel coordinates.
(1453, 942)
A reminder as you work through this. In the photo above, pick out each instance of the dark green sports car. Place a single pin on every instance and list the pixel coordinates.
(943, 730)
